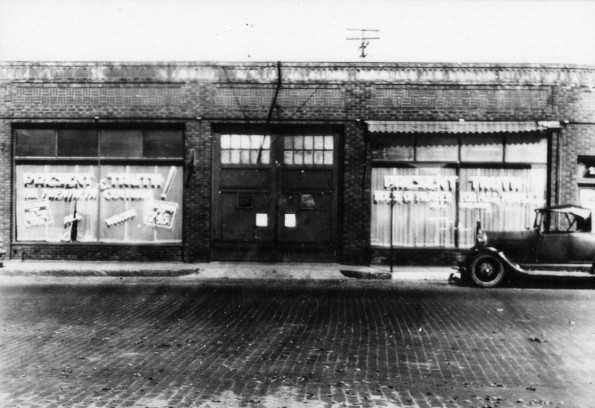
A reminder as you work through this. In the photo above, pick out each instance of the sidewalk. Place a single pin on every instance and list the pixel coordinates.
(223, 270)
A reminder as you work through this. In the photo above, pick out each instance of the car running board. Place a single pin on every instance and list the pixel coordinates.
(584, 270)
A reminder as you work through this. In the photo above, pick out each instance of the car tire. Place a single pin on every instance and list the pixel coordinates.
(487, 271)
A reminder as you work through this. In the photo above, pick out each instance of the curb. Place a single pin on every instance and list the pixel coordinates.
(98, 273)
(366, 274)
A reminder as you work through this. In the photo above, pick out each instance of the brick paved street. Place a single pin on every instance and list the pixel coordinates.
(116, 342)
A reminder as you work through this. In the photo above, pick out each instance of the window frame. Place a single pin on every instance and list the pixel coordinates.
(97, 160)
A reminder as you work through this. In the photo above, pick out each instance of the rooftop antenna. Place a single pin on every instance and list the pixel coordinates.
(365, 40)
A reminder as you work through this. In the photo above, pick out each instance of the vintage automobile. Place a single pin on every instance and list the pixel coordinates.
(560, 243)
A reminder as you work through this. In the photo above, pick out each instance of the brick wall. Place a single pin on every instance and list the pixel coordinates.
(202, 95)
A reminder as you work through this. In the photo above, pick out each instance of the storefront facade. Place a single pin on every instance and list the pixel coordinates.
(312, 162)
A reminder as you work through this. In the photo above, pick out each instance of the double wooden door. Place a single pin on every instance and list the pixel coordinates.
(275, 197)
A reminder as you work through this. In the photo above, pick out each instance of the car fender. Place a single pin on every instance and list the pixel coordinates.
(476, 251)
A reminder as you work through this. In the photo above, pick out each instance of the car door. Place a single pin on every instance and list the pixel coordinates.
(553, 243)
(553, 247)
(581, 247)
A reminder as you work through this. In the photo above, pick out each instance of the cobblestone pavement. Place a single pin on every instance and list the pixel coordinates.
(125, 343)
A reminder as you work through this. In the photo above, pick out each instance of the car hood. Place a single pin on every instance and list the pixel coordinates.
(516, 245)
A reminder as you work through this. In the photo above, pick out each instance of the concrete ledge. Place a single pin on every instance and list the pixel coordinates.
(222, 270)
(80, 268)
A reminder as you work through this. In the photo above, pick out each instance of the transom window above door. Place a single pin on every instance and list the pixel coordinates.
(245, 149)
(308, 150)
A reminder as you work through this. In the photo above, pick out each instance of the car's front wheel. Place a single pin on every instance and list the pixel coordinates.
(487, 271)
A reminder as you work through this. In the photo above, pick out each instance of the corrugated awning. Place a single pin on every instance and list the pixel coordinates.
(458, 127)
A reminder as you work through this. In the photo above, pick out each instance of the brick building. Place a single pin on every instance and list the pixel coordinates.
(285, 161)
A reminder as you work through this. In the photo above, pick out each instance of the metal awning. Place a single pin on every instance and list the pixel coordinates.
(459, 127)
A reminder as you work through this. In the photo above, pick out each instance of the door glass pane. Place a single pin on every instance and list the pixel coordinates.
(501, 199)
(245, 149)
(308, 150)
(424, 209)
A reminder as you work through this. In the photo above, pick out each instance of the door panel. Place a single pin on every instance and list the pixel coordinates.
(238, 217)
(553, 247)
(582, 247)
(313, 218)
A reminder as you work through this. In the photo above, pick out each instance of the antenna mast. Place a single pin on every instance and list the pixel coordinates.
(365, 40)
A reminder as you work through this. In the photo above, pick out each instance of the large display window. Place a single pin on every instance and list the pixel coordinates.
(439, 186)
(119, 196)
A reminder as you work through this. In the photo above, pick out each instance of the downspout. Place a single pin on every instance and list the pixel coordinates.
(271, 109)
(274, 101)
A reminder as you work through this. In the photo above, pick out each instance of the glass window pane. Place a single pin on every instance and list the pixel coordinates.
(120, 143)
(226, 142)
(288, 142)
(35, 142)
(318, 157)
(424, 207)
(245, 156)
(526, 149)
(236, 141)
(245, 141)
(142, 203)
(298, 157)
(299, 142)
(482, 148)
(501, 199)
(308, 142)
(256, 141)
(328, 142)
(308, 157)
(47, 197)
(265, 157)
(267, 142)
(394, 147)
(225, 156)
(254, 156)
(235, 157)
(288, 157)
(77, 143)
(319, 142)
(437, 148)
(328, 157)
(163, 143)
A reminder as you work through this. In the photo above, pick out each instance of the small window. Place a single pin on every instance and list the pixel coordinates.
(307, 202)
(244, 200)
(77, 143)
(35, 142)
(120, 143)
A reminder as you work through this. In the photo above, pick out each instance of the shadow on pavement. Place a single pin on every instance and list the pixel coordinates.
(539, 282)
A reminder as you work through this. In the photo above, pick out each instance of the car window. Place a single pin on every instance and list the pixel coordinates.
(559, 222)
